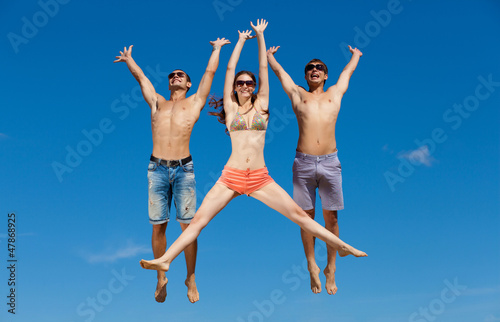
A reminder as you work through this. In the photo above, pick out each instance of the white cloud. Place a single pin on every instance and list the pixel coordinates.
(111, 255)
(419, 156)
(491, 318)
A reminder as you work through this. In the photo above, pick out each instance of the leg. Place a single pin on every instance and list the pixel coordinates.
(331, 224)
(190, 255)
(159, 242)
(184, 187)
(215, 200)
(304, 194)
(330, 191)
(159, 200)
(308, 241)
(276, 198)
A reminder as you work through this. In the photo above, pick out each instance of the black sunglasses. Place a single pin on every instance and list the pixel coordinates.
(319, 67)
(180, 74)
(248, 83)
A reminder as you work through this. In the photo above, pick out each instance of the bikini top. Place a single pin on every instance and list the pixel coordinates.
(239, 124)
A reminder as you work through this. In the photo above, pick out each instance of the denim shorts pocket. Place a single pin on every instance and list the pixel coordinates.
(152, 166)
(188, 167)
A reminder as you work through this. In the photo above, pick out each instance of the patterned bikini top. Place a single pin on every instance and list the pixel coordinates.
(239, 124)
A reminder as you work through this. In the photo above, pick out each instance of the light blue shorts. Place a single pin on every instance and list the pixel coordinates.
(322, 172)
(167, 183)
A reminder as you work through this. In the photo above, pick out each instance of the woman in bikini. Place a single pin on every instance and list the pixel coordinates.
(246, 114)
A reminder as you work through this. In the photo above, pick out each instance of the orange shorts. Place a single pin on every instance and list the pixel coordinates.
(245, 181)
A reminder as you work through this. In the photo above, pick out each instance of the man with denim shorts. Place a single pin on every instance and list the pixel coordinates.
(316, 165)
(170, 171)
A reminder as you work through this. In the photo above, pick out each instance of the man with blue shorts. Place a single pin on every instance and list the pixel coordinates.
(316, 165)
(171, 171)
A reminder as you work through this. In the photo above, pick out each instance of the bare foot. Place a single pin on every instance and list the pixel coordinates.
(193, 294)
(154, 264)
(315, 281)
(330, 285)
(349, 250)
(161, 290)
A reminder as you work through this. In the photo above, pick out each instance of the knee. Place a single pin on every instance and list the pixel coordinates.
(301, 216)
(310, 213)
(159, 230)
(330, 217)
(198, 223)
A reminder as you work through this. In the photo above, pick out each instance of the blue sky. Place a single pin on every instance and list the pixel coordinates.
(418, 138)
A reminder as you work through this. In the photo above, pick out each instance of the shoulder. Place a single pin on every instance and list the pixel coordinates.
(230, 105)
(191, 101)
(262, 106)
(190, 98)
(301, 90)
(160, 98)
(230, 109)
(333, 90)
(297, 93)
(303, 93)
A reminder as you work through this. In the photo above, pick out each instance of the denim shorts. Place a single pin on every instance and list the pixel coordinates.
(322, 172)
(167, 183)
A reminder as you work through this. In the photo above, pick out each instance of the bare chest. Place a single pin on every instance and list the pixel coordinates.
(313, 108)
(169, 113)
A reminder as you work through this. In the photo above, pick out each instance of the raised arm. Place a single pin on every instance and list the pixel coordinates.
(287, 82)
(231, 66)
(345, 76)
(263, 92)
(148, 91)
(200, 97)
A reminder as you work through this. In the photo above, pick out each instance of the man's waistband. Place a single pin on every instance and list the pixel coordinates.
(301, 155)
(171, 163)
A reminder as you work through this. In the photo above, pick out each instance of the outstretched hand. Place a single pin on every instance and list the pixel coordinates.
(355, 51)
(245, 34)
(219, 42)
(272, 50)
(260, 27)
(126, 54)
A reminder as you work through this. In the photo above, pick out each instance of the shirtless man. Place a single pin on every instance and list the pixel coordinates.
(170, 171)
(316, 164)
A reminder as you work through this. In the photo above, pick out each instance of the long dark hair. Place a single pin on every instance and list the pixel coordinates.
(218, 103)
